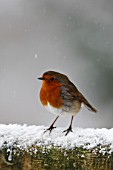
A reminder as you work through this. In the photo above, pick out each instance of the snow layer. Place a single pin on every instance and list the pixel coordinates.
(24, 136)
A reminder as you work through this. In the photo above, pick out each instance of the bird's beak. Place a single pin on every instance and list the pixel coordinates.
(41, 78)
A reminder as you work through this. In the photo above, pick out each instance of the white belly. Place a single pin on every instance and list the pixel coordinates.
(59, 111)
(54, 110)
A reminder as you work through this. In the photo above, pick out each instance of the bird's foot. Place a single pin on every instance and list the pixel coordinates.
(50, 129)
(68, 130)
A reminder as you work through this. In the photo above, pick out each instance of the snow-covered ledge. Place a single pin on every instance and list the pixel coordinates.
(25, 136)
(16, 138)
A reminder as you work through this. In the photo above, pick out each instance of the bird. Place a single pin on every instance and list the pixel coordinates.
(61, 97)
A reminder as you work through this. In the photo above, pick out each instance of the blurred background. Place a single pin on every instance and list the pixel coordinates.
(73, 37)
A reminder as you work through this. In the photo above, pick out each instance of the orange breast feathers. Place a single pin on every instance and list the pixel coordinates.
(50, 93)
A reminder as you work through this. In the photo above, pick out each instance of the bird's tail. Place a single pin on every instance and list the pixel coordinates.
(89, 107)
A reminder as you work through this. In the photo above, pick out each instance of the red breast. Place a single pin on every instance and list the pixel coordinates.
(50, 92)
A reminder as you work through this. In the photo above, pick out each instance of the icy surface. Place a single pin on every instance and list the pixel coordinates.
(24, 136)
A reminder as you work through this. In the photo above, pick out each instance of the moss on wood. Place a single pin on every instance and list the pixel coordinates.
(55, 158)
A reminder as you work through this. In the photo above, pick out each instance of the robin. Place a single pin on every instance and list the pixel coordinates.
(60, 96)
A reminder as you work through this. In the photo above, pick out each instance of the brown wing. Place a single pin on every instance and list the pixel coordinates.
(85, 102)
(72, 93)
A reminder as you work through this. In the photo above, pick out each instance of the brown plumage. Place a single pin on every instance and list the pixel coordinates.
(60, 96)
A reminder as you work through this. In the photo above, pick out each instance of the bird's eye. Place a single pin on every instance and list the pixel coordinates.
(52, 78)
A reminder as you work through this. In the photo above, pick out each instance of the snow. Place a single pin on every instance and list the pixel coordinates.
(24, 136)
(36, 55)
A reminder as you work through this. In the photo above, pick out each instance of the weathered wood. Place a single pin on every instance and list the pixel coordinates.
(55, 158)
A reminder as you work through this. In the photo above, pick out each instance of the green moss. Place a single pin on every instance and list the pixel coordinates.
(49, 158)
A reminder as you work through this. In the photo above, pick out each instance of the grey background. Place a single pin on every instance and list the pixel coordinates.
(74, 37)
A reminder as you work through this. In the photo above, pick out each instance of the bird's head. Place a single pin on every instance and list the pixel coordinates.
(54, 78)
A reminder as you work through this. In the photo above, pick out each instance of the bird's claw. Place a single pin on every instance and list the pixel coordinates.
(49, 129)
(67, 131)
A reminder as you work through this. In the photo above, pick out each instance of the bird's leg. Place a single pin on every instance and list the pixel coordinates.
(52, 127)
(69, 128)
